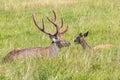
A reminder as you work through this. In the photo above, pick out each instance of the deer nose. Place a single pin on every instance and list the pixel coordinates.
(76, 42)
(67, 44)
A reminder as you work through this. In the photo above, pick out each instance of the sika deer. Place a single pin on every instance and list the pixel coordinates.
(81, 40)
(50, 51)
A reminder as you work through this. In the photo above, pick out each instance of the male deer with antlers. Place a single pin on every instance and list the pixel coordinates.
(50, 51)
(81, 40)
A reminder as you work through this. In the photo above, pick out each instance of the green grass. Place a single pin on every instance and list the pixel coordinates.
(101, 18)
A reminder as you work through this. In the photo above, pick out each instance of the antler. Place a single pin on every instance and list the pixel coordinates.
(54, 22)
(38, 26)
(62, 27)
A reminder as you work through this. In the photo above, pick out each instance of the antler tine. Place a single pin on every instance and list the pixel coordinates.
(35, 22)
(54, 22)
(43, 24)
(38, 26)
(64, 31)
(62, 22)
(54, 25)
(55, 17)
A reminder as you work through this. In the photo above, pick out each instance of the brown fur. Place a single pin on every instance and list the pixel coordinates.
(102, 46)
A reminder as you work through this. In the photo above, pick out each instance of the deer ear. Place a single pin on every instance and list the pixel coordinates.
(86, 34)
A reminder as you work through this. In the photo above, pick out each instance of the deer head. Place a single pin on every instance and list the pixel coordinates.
(56, 37)
(80, 40)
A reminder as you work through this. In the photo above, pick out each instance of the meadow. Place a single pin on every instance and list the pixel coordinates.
(100, 17)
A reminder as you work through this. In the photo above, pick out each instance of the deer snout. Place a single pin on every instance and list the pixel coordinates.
(66, 44)
(75, 41)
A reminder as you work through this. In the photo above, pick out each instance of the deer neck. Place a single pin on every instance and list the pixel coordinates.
(85, 45)
(54, 49)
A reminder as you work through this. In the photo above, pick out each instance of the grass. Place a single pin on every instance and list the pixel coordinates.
(101, 18)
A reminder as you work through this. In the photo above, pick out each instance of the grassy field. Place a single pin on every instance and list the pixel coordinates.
(100, 17)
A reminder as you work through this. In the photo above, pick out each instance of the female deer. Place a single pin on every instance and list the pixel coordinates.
(81, 40)
(50, 51)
